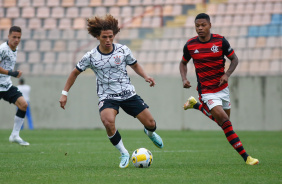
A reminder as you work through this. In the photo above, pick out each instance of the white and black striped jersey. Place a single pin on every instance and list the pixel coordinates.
(7, 61)
(112, 79)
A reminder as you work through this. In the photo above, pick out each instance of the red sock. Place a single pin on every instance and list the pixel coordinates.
(205, 110)
(233, 139)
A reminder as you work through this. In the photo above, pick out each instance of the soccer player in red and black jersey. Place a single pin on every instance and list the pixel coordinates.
(207, 51)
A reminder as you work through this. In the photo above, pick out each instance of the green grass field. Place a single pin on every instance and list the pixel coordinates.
(87, 156)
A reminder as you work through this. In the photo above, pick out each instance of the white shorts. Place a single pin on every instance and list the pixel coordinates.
(221, 98)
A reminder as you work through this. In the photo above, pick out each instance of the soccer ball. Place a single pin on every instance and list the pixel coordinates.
(142, 158)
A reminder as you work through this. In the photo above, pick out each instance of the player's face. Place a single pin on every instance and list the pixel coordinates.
(14, 39)
(106, 39)
(203, 27)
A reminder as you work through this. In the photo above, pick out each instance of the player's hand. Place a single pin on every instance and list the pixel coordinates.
(151, 81)
(16, 74)
(186, 84)
(223, 80)
(63, 101)
(20, 74)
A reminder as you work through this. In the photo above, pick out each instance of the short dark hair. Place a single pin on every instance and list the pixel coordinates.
(203, 16)
(15, 29)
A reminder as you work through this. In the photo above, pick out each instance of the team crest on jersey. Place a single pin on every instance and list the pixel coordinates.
(214, 49)
(101, 104)
(117, 60)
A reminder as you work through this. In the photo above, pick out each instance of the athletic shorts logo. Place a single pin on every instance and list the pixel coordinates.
(101, 104)
(210, 102)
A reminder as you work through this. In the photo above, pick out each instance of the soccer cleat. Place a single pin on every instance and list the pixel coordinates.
(124, 160)
(157, 140)
(190, 103)
(17, 139)
(252, 161)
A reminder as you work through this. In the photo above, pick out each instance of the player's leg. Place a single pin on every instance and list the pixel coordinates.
(223, 121)
(146, 118)
(193, 103)
(18, 121)
(136, 107)
(29, 117)
(108, 116)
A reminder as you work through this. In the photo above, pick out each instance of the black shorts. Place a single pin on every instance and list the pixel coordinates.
(132, 106)
(11, 95)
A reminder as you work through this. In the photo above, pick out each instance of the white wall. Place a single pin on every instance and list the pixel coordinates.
(256, 104)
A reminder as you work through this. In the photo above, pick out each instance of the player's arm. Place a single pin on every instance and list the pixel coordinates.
(234, 62)
(71, 79)
(16, 74)
(230, 54)
(139, 70)
(183, 67)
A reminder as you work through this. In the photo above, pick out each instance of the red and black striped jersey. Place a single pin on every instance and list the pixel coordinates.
(209, 61)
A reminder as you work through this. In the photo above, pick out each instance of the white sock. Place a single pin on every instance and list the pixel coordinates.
(121, 147)
(18, 122)
(149, 133)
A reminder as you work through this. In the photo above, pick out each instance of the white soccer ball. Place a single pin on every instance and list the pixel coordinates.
(142, 158)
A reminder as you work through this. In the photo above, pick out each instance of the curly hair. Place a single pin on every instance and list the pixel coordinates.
(97, 24)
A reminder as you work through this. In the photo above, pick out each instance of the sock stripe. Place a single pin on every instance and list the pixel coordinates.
(226, 124)
(228, 129)
(231, 137)
(242, 152)
(237, 145)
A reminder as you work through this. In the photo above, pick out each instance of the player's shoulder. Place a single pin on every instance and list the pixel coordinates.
(4, 45)
(91, 52)
(121, 48)
(217, 36)
(191, 40)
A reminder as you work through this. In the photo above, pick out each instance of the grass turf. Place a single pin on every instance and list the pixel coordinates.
(87, 156)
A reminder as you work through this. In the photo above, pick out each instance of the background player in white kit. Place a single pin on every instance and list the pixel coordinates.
(25, 90)
(114, 89)
(10, 93)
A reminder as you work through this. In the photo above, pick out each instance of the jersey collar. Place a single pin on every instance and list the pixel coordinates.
(108, 53)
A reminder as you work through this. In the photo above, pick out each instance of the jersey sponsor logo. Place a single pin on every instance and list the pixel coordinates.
(214, 49)
(101, 104)
(122, 94)
(210, 102)
(196, 51)
(117, 60)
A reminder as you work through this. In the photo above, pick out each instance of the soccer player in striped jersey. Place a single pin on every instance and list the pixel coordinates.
(114, 89)
(207, 51)
(10, 93)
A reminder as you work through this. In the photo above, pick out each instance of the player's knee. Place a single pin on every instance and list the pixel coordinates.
(222, 120)
(23, 106)
(107, 123)
(151, 124)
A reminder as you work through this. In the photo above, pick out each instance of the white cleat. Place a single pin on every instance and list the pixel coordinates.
(124, 160)
(17, 139)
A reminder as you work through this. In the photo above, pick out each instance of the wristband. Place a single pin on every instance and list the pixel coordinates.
(13, 73)
(64, 93)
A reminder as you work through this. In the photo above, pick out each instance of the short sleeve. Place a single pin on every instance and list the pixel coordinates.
(227, 49)
(186, 55)
(84, 63)
(1, 54)
(129, 58)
